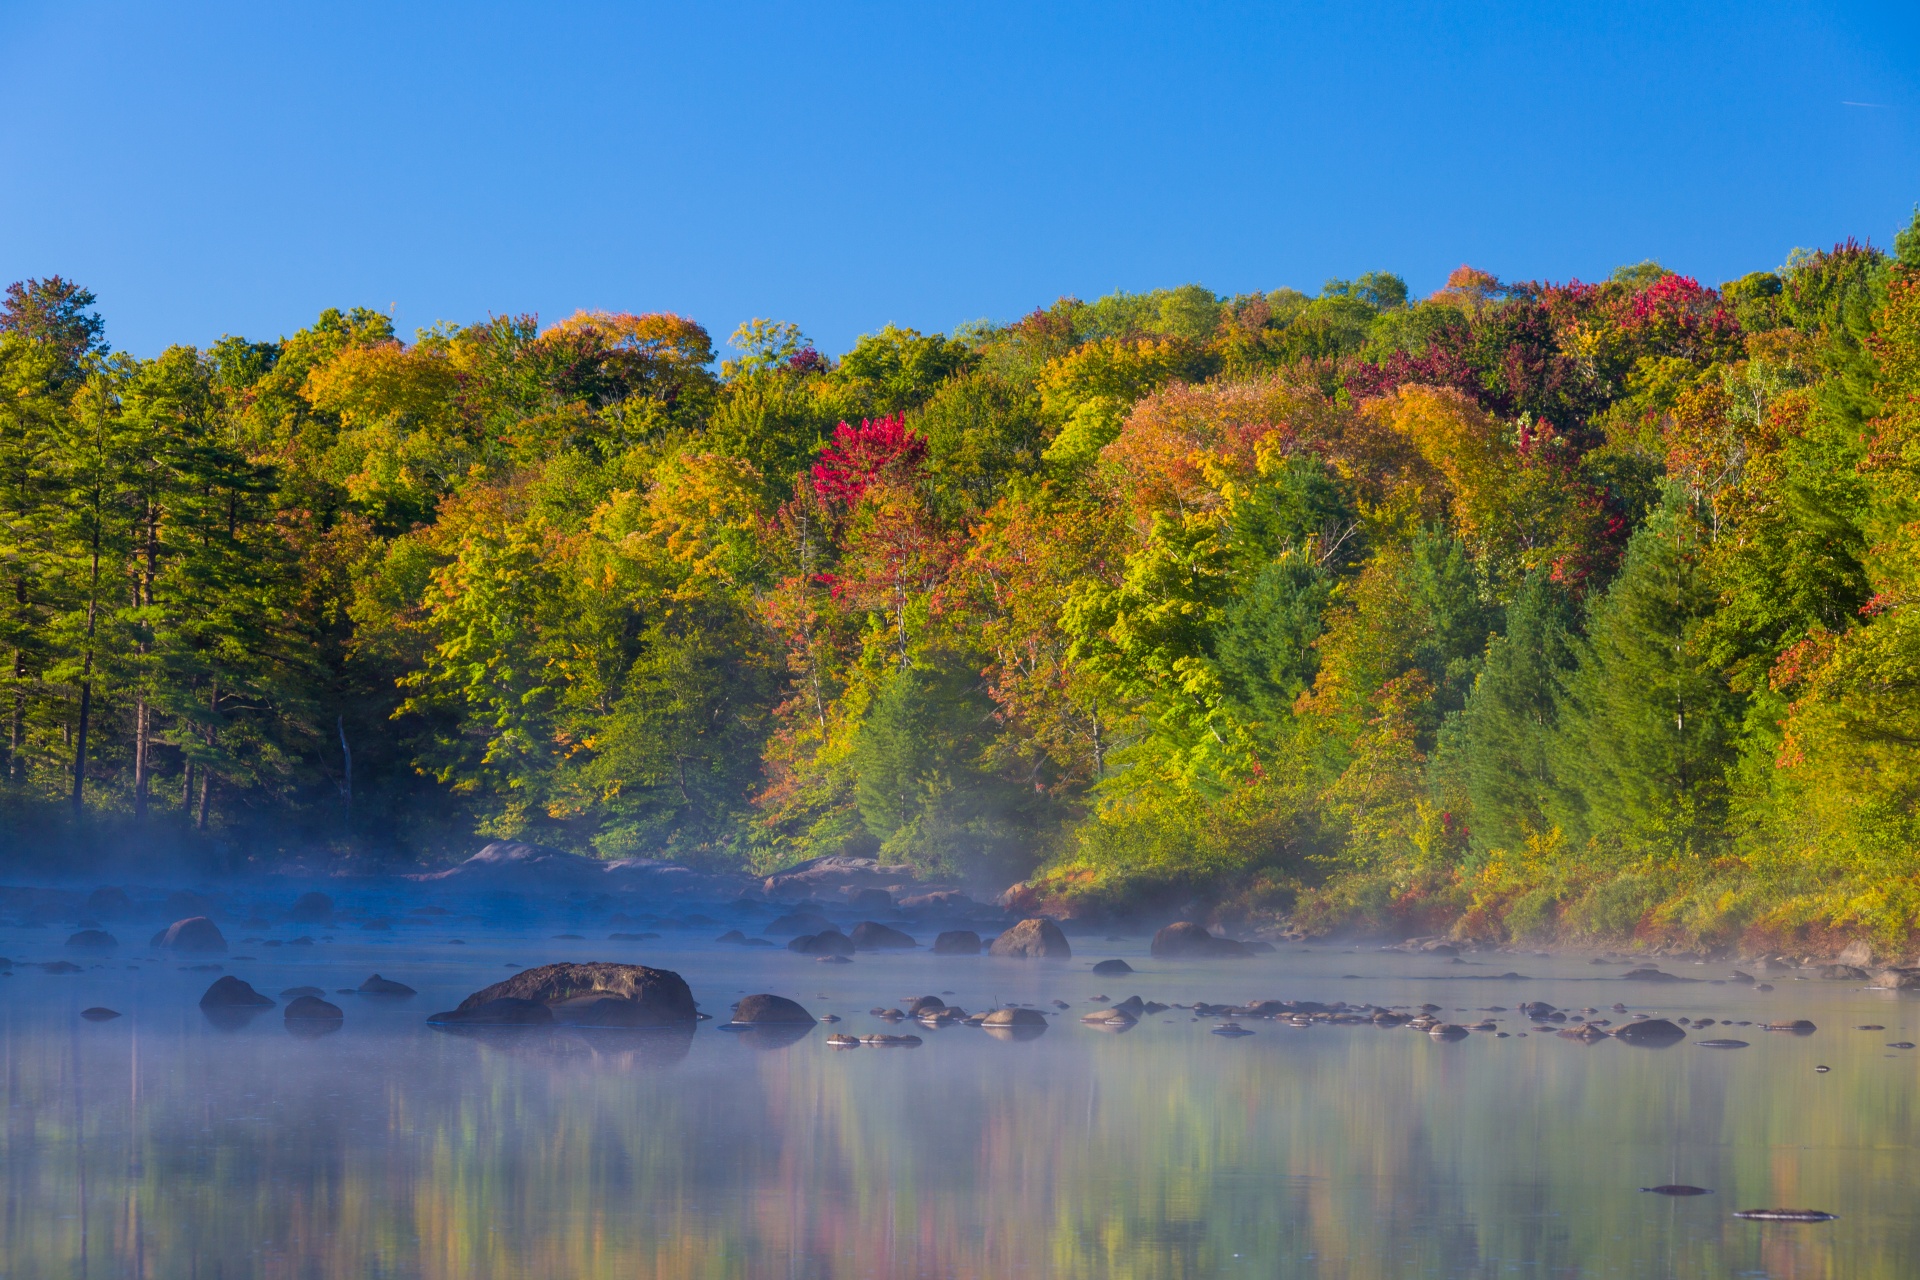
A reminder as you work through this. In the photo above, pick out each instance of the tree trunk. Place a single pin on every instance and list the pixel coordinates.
(140, 718)
(346, 754)
(86, 682)
(19, 717)
(186, 791)
(206, 774)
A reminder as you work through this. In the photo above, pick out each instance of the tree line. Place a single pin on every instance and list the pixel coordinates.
(1528, 607)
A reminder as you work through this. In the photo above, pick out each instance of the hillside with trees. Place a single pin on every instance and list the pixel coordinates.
(1529, 609)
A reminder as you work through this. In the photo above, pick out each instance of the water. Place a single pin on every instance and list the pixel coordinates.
(157, 1145)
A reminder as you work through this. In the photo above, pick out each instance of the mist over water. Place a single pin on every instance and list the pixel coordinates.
(159, 1144)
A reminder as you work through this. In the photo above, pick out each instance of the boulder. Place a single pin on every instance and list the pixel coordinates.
(939, 900)
(1857, 953)
(733, 938)
(1015, 1018)
(828, 942)
(232, 993)
(107, 903)
(1651, 1033)
(600, 1011)
(765, 1008)
(1183, 939)
(99, 1014)
(1653, 975)
(957, 942)
(379, 986)
(196, 933)
(311, 908)
(870, 900)
(1112, 968)
(871, 935)
(66, 966)
(663, 996)
(93, 940)
(313, 1009)
(833, 874)
(501, 1011)
(1898, 979)
(1843, 973)
(925, 1004)
(1032, 939)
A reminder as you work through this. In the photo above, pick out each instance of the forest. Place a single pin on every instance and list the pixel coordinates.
(1523, 610)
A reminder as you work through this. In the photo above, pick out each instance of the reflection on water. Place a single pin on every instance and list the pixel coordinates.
(159, 1145)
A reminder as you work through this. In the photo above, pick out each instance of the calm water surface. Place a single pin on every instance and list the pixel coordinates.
(157, 1145)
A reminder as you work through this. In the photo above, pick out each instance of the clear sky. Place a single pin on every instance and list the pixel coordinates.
(233, 168)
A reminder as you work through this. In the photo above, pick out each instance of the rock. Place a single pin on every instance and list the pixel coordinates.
(834, 960)
(797, 922)
(957, 942)
(1016, 1018)
(599, 1011)
(93, 940)
(1038, 937)
(1677, 1189)
(1653, 975)
(1184, 939)
(1112, 968)
(311, 908)
(663, 996)
(925, 1004)
(871, 935)
(870, 900)
(196, 933)
(733, 937)
(99, 1014)
(840, 1040)
(1786, 1215)
(1843, 973)
(313, 1009)
(832, 874)
(631, 937)
(769, 1008)
(502, 1011)
(108, 903)
(1858, 953)
(1652, 1033)
(1740, 979)
(63, 966)
(1721, 1044)
(828, 942)
(943, 899)
(232, 993)
(1898, 979)
(379, 986)
(1799, 1027)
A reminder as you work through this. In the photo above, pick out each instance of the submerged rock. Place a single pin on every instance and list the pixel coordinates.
(828, 942)
(663, 997)
(871, 935)
(1653, 975)
(1786, 1215)
(1677, 1189)
(1112, 968)
(957, 942)
(503, 1011)
(765, 1008)
(1014, 1024)
(379, 986)
(1037, 938)
(1183, 939)
(311, 908)
(99, 1014)
(195, 933)
(234, 993)
(93, 940)
(1653, 1033)
(313, 1009)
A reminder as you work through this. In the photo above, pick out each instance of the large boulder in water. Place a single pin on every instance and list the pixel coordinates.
(1184, 939)
(1030, 939)
(871, 935)
(505, 1011)
(230, 992)
(313, 1009)
(197, 933)
(1112, 969)
(93, 940)
(828, 942)
(765, 1008)
(661, 997)
(957, 942)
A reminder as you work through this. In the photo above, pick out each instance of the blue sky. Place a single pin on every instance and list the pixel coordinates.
(228, 168)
